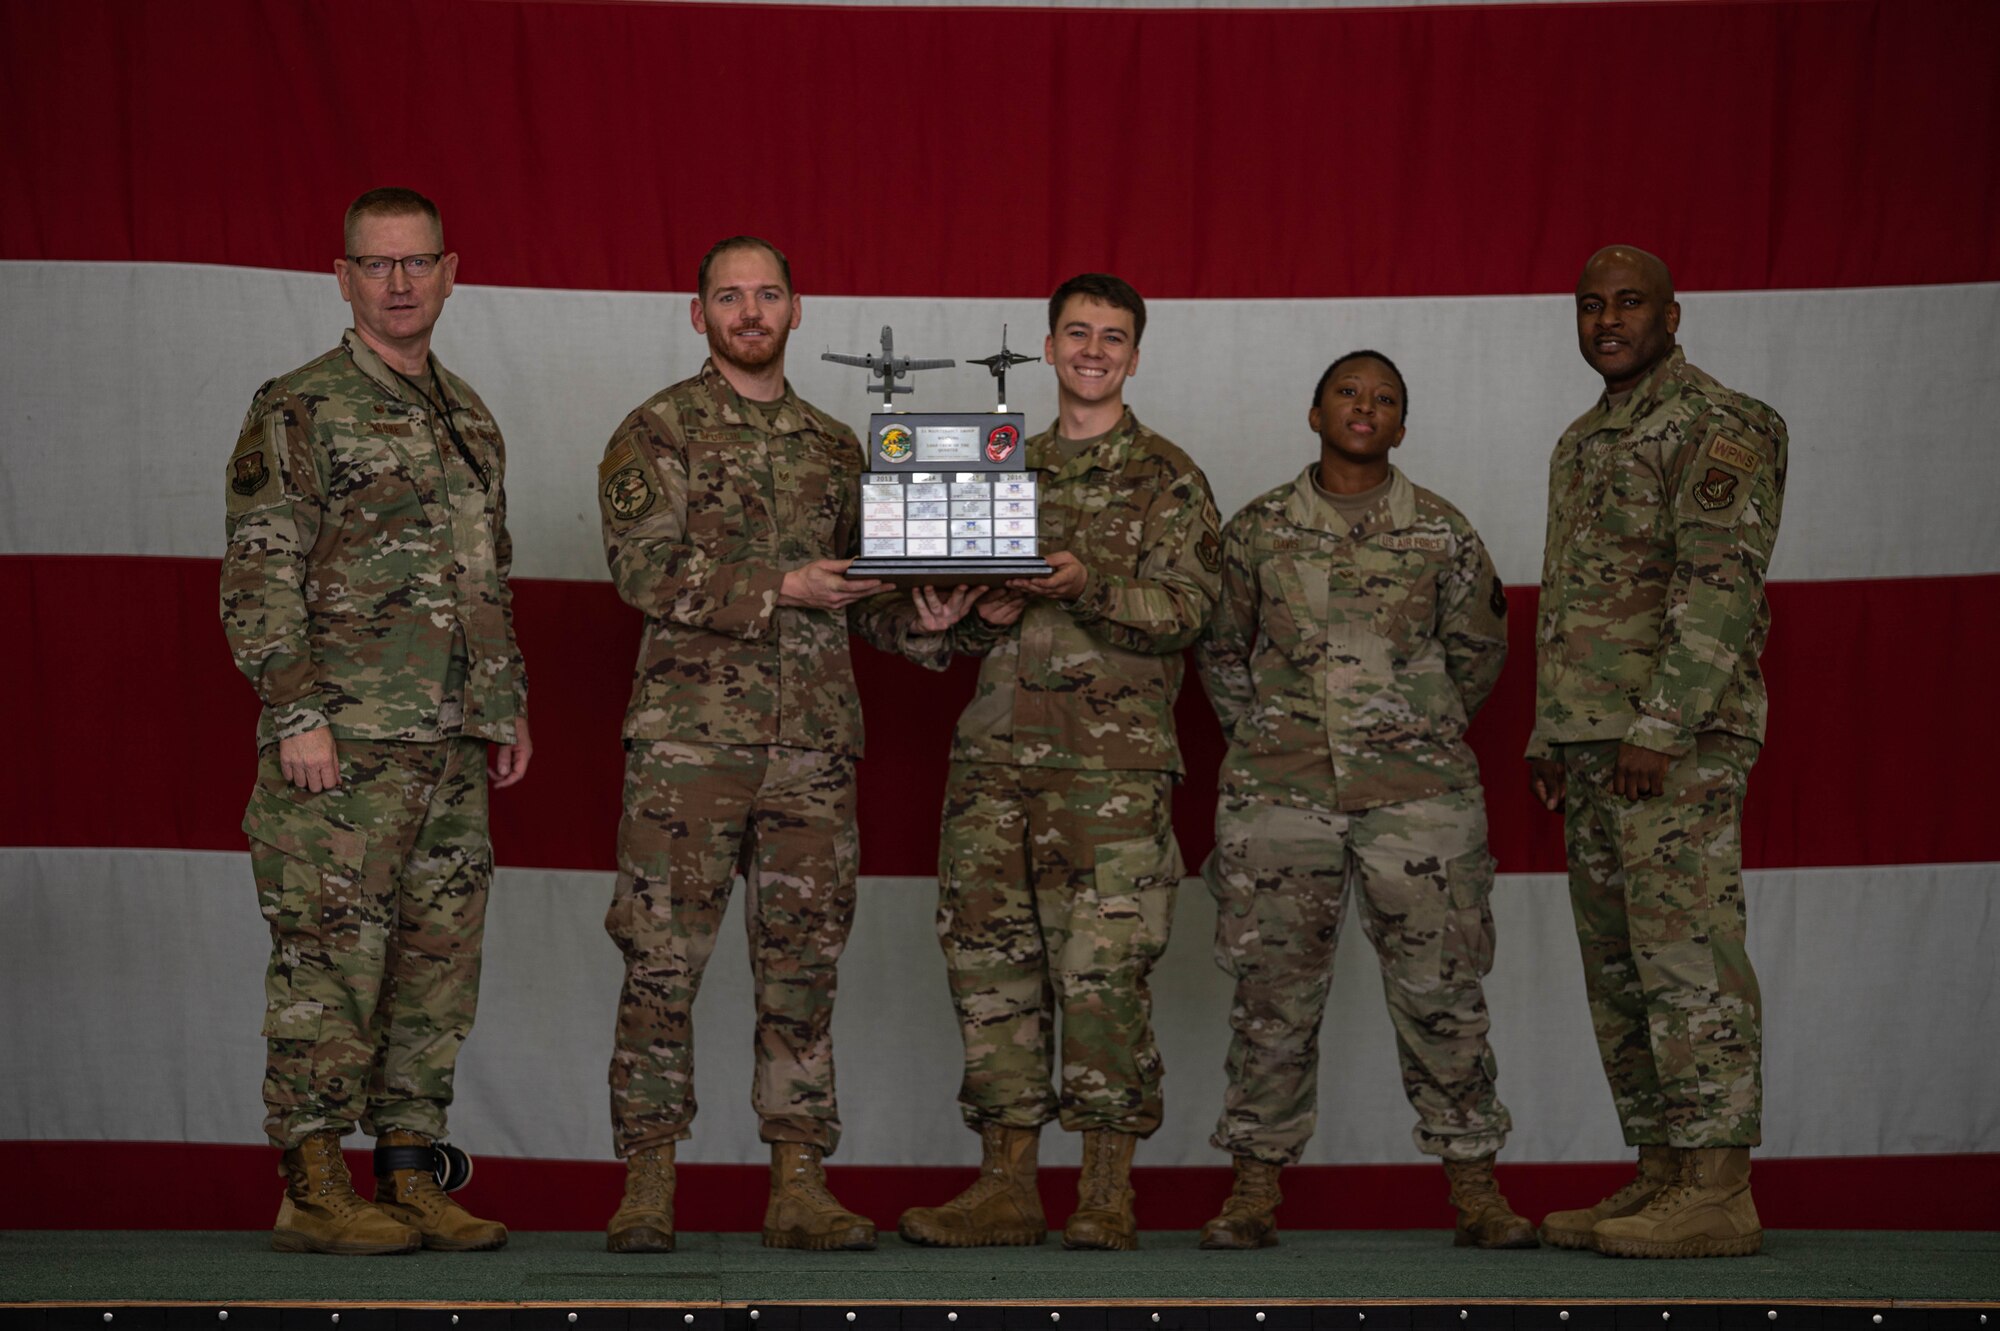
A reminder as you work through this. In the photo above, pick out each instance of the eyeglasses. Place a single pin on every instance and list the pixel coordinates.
(377, 267)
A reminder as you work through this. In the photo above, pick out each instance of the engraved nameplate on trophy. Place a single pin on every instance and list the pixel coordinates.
(947, 498)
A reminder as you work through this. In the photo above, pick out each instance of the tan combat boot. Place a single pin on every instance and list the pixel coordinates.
(1484, 1218)
(644, 1220)
(1000, 1209)
(1103, 1216)
(321, 1211)
(1248, 1218)
(1705, 1212)
(407, 1189)
(1572, 1229)
(802, 1213)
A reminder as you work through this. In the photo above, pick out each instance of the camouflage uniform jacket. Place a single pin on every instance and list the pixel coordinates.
(707, 500)
(1346, 663)
(1662, 514)
(365, 583)
(1091, 683)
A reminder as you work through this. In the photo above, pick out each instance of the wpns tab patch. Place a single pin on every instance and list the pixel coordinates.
(1732, 454)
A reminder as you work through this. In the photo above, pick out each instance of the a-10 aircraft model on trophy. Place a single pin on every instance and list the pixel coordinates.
(947, 498)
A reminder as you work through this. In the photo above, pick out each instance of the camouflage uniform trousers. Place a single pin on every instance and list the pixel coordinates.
(375, 891)
(695, 816)
(1656, 887)
(1279, 876)
(1056, 892)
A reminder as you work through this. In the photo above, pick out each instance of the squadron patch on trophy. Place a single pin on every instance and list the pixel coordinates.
(893, 445)
(1001, 441)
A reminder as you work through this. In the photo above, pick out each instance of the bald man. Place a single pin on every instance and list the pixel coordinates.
(1663, 509)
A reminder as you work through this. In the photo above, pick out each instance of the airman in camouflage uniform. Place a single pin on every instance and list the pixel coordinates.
(1360, 627)
(364, 593)
(1664, 501)
(1058, 867)
(730, 507)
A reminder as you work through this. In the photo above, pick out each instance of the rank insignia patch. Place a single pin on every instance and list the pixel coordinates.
(1001, 441)
(248, 473)
(627, 494)
(894, 444)
(1715, 490)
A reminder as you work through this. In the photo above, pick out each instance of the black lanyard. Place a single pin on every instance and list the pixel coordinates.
(444, 413)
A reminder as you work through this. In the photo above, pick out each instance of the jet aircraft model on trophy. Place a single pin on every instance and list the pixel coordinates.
(947, 498)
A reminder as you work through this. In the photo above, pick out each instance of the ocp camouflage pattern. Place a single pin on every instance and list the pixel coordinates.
(365, 581)
(1092, 683)
(1663, 511)
(707, 499)
(1345, 664)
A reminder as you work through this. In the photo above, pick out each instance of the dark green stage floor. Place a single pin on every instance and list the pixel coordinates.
(157, 1266)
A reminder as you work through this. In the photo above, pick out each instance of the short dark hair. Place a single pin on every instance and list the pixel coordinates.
(1319, 389)
(1103, 287)
(722, 247)
(390, 201)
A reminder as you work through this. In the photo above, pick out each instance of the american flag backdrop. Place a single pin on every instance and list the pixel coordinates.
(1283, 184)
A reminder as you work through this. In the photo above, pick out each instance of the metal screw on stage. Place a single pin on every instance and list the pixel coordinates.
(336, 1319)
(454, 1319)
(1877, 1319)
(953, 1317)
(1666, 1317)
(1057, 1317)
(1463, 1314)
(1260, 1317)
(753, 1314)
(107, 1317)
(572, 1317)
(222, 1315)
(1563, 1316)
(688, 1318)
(850, 1317)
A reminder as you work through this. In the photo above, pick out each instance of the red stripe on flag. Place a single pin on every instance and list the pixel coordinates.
(86, 1185)
(132, 728)
(961, 152)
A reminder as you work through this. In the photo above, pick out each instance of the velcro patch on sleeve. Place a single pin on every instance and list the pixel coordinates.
(257, 466)
(1732, 454)
(619, 456)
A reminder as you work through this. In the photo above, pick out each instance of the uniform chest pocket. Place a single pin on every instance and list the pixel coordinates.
(1627, 497)
(1285, 609)
(1403, 592)
(812, 482)
(717, 514)
(1105, 528)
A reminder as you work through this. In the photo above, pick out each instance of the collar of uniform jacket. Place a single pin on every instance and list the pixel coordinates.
(371, 364)
(1645, 395)
(1109, 455)
(1397, 511)
(790, 415)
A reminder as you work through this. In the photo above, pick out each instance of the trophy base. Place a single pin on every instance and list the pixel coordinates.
(971, 572)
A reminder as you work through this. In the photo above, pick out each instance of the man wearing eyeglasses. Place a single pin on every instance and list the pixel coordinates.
(364, 593)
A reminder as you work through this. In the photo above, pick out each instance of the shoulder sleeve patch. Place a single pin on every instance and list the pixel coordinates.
(257, 466)
(626, 486)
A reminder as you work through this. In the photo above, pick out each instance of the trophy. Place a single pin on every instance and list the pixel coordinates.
(947, 497)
